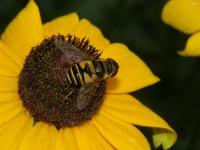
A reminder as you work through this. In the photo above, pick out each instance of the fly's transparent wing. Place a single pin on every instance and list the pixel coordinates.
(86, 94)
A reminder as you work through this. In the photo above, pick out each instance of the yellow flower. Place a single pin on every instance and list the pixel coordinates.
(184, 15)
(112, 127)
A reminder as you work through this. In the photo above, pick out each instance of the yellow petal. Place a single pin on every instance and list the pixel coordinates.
(85, 29)
(193, 46)
(62, 25)
(66, 140)
(120, 134)
(8, 84)
(25, 31)
(8, 66)
(9, 109)
(89, 138)
(133, 73)
(41, 137)
(129, 109)
(182, 15)
(14, 131)
(9, 105)
(97, 140)
(5, 72)
(83, 143)
(9, 96)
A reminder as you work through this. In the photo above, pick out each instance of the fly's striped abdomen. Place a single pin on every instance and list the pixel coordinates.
(87, 70)
(99, 68)
(74, 75)
(90, 71)
(80, 73)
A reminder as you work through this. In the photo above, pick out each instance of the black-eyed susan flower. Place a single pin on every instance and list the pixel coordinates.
(184, 15)
(38, 109)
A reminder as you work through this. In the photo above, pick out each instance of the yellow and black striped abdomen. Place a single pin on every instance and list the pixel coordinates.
(80, 73)
(74, 75)
(90, 71)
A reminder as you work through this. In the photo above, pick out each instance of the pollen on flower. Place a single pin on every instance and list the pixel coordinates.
(42, 85)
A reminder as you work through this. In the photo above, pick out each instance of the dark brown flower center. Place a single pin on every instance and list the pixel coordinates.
(42, 81)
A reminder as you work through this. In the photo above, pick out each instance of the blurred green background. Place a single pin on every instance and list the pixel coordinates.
(137, 23)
